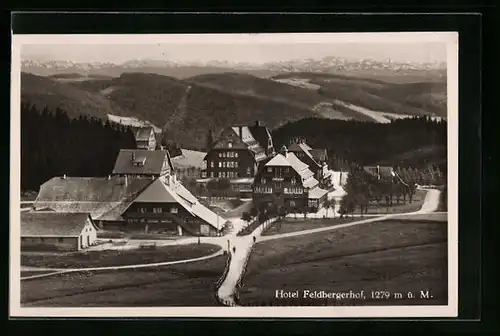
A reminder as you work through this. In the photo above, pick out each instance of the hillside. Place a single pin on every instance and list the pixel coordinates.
(45, 92)
(259, 87)
(188, 109)
(424, 95)
(405, 142)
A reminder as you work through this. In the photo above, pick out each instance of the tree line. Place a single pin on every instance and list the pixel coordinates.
(363, 188)
(52, 144)
(410, 142)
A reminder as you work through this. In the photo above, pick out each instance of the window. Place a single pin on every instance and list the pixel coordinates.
(235, 164)
(220, 155)
(223, 174)
(249, 170)
(211, 174)
(269, 169)
(263, 181)
(157, 210)
(224, 154)
(235, 155)
(287, 169)
(224, 164)
(294, 180)
(220, 174)
(230, 145)
(220, 164)
(142, 210)
(285, 190)
(211, 164)
(173, 210)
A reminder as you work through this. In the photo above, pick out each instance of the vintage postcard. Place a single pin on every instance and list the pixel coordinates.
(234, 175)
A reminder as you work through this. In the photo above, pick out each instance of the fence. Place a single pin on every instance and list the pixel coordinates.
(239, 283)
(221, 280)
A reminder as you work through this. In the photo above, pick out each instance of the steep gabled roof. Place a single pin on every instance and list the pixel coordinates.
(156, 192)
(278, 161)
(52, 224)
(299, 166)
(290, 160)
(319, 155)
(152, 161)
(261, 134)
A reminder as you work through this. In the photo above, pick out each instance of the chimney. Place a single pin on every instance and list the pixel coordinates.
(109, 177)
(257, 123)
(64, 177)
(284, 151)
(240, 129)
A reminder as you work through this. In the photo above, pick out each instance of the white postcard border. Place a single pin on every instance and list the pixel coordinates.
(450, 310)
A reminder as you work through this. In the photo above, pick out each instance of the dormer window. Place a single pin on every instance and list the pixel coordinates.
(294, 180)
(139, 161)
(230, 144)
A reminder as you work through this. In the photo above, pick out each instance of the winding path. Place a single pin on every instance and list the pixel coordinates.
(244, 244)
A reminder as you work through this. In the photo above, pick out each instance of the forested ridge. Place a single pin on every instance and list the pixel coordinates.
(412, 142)
(52, 144)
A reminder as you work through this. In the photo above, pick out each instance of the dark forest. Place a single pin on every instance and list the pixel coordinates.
(412, 142)
(52, 144)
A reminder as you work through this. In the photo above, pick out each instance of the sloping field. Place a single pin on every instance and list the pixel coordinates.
(390, 257)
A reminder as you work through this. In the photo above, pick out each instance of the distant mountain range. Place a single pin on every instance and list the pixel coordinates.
(188, 69)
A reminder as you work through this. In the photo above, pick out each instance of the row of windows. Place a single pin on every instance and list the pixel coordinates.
(225, 174)
(293, 181)
(293, 190)
(228, 154)
(158, 210)
(278, 171)
(225, 164)
(264, 190)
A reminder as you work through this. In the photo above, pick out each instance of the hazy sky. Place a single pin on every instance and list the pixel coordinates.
(240, 52)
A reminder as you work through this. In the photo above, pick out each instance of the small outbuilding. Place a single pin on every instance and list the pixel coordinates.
(49, 230)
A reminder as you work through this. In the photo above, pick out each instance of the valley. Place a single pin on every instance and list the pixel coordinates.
(186, 106)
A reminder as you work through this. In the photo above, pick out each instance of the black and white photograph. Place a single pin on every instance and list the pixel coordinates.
(234, 175)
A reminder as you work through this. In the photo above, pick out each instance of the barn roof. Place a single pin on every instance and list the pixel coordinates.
(156, 192)
(52, 224)
(103, 198)
(149, 162)
(175, 192)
